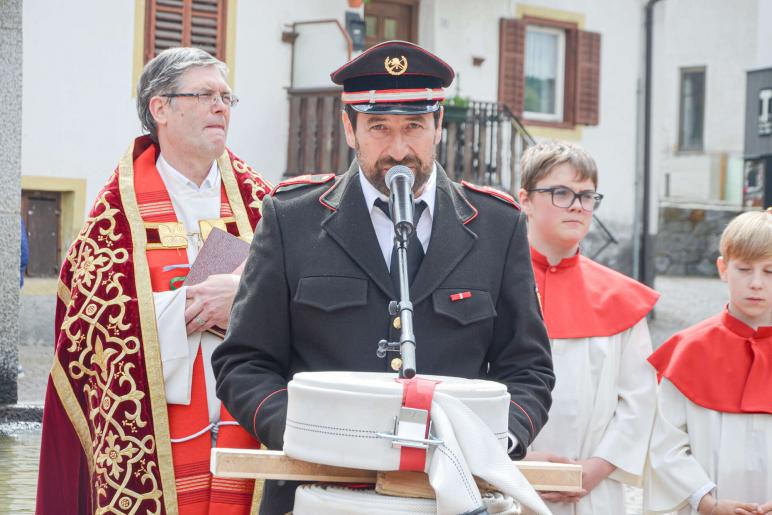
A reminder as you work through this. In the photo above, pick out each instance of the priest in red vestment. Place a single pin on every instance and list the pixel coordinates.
(130, 412)
(604, 398)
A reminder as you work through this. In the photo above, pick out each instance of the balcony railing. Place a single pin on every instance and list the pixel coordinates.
(482, 144)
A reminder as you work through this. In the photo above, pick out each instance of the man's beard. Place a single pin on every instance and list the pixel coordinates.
(421, 170)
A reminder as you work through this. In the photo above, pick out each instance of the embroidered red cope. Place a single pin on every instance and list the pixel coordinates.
(105, 444)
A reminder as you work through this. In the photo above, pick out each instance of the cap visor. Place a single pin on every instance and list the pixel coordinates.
(390, 108)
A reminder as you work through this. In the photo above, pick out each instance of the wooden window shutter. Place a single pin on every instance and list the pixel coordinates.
(587, 105)
(512, 64)
(196, 23)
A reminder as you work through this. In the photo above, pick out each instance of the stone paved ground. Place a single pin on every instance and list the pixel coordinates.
(685, 301)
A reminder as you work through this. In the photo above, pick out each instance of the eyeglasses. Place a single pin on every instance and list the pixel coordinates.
(208, 98)
(565, 197)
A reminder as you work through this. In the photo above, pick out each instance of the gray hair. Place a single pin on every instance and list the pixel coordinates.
(161, 75)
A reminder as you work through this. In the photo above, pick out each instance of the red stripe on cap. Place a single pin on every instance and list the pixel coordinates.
(381, 96)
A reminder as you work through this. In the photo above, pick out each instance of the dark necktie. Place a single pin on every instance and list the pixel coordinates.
(415, 251)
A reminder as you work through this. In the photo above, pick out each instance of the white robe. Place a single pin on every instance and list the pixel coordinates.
(692, 446)
(603, 405)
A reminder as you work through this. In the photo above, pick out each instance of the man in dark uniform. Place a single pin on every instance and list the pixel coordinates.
(317, 280)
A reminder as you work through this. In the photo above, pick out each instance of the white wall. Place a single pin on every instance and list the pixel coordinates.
(78, 116)
(465, 29)
(79, 113)
(259, 129)
(763, 46)
(722, 36)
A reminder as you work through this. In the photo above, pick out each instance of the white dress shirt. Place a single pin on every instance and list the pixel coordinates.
(384, 228)
(192, 202)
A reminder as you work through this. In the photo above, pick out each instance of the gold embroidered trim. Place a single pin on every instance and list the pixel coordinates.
(63, 292)
(150, 344)
(234, 197)
(74, 413)
(206, 226)
(257, 495)
(171, 234)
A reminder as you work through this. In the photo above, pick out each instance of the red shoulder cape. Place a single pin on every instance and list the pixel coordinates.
(581, 298)
(720, 364)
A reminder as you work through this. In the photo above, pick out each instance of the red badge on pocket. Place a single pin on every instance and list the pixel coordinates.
(461, 296)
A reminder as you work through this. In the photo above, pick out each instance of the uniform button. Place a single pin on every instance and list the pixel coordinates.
(553, 269)
(396, 364)
(397, 323)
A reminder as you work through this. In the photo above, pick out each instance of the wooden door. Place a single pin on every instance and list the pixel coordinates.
(42, 213)
(391, 19)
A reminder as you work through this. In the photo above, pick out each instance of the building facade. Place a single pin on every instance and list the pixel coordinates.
(567, 69)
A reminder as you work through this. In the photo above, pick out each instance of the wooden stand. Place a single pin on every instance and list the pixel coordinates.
(260, 464)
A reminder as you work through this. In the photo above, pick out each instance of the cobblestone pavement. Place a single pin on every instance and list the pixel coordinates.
(685, 301)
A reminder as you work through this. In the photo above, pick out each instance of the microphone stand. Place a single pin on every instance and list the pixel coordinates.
(404, 308)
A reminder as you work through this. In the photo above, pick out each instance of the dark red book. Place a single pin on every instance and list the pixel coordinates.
(221, 253)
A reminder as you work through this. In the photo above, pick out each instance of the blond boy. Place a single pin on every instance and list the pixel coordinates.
(711, 448)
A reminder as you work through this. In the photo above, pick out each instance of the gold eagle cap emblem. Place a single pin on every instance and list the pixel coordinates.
(395, 65)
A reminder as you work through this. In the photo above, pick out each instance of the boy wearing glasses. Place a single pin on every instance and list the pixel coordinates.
(711, 447)
(605, 391)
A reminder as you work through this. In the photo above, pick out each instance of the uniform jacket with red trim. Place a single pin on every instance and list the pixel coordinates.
(315, 292)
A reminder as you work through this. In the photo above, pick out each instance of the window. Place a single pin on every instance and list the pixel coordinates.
(549, 72)
(196, 23)
(41, 211)
(692, 109)
(544, 70)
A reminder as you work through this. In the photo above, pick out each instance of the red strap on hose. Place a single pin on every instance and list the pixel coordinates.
(417, 393)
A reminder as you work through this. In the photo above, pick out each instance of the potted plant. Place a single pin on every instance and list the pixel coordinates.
(457, 106)
(456, 109)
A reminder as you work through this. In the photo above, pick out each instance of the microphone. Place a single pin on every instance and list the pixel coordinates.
(399, 180)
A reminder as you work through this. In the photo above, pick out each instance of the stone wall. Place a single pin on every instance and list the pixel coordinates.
(619, 255)
(10, 171)
(687, 241)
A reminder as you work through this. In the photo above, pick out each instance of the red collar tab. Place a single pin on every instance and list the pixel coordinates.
(461, 296)
(414, 420)
(493, 192)
(742, 329)
(541, 261)
(303, 180)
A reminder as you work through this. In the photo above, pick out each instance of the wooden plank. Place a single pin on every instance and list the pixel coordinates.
(514, 157)
(482, 155)
(326, 135)
(309, 136)
(468, 148)
(293, 145)
(499, 125)
(262, 464)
